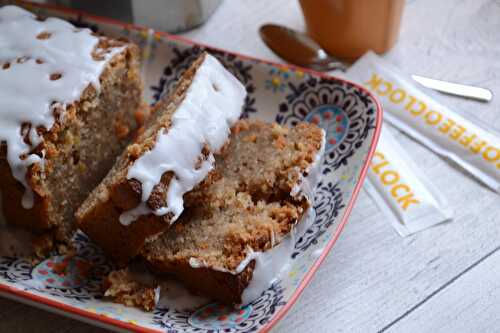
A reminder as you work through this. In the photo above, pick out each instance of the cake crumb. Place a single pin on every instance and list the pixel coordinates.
(123, 288)
(134, 151)
(280, 142)
(278, 130)
(103, 194)
(141, 116)
(121, 130)
(250, 138)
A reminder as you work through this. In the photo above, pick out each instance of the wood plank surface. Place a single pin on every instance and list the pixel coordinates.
(467, 304)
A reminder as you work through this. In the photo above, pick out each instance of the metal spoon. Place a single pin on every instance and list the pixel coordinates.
(299, 49)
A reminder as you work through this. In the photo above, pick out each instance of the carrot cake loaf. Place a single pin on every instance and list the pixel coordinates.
(237, 231)
(67, 104)
(143, 193)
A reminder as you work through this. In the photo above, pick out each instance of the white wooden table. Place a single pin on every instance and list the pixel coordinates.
(445, 279)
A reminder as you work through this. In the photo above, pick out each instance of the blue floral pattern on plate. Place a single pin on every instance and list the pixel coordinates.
(333, 120)
(216, 316)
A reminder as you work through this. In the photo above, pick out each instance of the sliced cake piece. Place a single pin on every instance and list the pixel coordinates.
(67, 104)
(143, 193)
(234, 236)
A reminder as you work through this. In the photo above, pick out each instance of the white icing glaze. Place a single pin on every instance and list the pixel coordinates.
(212, 104)
(271, 264)
(305, 186)
(26, 89)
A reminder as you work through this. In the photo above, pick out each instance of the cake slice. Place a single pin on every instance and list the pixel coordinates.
(143, 193)
(68, 100)
(235, 234)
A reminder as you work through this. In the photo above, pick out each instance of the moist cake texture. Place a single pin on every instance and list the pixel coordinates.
(68, 100)
(249, 206)
(143, 193)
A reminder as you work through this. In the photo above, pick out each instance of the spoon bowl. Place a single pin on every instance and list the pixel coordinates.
(298, 48)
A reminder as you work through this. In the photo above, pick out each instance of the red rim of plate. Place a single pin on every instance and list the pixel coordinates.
(309, 275)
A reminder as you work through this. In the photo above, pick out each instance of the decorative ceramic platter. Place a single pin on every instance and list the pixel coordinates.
(351, 117)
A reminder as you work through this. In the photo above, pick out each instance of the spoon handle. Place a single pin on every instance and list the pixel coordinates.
(462, 90)
(329, 64)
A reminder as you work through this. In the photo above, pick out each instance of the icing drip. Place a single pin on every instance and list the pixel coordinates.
(272, 264)
(43, 64)
(212, 104)
(305, 186)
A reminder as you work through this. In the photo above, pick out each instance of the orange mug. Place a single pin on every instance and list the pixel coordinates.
(348, 28)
